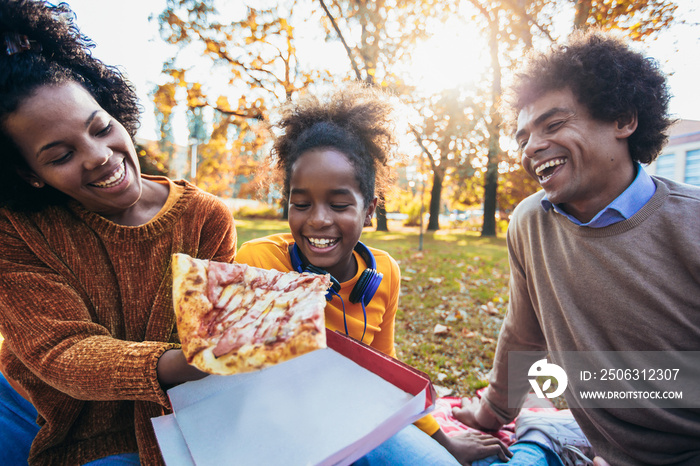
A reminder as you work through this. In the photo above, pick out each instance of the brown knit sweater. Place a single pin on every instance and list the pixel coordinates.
(630, 286)
(86, 311)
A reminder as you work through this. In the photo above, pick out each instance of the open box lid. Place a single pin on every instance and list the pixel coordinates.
(330, 406)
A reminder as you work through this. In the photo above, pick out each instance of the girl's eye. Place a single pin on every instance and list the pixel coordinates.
(340, 206)
(299, 205)
(522, 144)
(106, 130)
(62, 159)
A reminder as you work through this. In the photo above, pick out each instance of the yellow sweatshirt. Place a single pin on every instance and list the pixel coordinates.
(272, 252)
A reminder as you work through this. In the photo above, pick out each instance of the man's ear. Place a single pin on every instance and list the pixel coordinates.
(31, 178)
(370, 212)
(626, 125)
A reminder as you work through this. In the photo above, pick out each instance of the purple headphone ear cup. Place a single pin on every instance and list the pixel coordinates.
(372, 287)
(365, 287)
(359, 288)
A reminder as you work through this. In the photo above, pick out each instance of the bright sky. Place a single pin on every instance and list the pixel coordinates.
(124, 37)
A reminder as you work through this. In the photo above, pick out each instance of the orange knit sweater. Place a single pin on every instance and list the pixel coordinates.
(86, 311)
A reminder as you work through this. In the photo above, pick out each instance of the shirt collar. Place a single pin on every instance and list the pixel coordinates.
(623, 207)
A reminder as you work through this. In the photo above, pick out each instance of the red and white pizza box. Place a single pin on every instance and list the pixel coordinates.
(327, 407)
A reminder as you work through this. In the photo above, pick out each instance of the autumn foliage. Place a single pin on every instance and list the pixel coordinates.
(236, 62)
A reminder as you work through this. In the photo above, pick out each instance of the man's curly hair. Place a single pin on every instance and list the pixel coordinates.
(611, 80)
(355, 120)
(57, 53)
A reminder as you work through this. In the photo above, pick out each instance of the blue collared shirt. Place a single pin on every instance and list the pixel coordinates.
(623, 207)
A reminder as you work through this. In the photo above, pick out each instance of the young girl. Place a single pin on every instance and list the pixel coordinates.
(86, 312)
(330, 153)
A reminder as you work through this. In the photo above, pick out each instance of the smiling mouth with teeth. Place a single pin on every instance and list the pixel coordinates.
(322, 242)
(116, 178)
(545, 171)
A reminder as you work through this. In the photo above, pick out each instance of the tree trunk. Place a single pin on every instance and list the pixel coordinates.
(380, 212)
(435, 201)
(490, 193)
(583, 11)
(494, 128)
(285, 210)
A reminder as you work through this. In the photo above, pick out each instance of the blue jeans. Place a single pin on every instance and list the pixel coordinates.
(410, 446)
(18, 428)
(525, 454)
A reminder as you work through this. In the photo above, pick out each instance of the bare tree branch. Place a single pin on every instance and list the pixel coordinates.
(521, 11)
(419, 140)
(342, 39)
(252, 114)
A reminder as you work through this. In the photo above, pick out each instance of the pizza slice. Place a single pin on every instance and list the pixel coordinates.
(236, 318)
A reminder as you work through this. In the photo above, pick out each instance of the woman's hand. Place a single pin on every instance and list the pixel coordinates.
(475, 416)
(471, 446)
(173, 369)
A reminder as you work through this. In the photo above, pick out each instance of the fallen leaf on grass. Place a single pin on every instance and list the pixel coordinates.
(442, 391)
(490, 309)
(440, 329)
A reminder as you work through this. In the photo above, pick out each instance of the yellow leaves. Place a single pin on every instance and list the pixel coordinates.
(178, 76)
(636, 19)
(164, 98)
(213, 47)
(257, 63)
(223, 104)
(195, 97)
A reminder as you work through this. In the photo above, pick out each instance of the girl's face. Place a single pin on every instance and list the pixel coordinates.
(327, 211)
(73, 145)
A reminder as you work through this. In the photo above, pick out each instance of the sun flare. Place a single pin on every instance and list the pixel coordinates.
(455, 55)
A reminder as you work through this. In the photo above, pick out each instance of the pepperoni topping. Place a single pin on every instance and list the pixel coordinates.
(256, 306)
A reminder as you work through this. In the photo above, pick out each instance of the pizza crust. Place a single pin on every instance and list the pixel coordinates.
(202, 326)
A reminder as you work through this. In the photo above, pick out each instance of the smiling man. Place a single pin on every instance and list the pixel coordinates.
(605, 258)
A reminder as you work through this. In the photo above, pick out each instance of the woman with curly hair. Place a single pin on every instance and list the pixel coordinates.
(331, 152)
(86, 241)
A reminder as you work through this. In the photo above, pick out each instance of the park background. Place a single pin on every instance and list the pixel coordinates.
(211, 74)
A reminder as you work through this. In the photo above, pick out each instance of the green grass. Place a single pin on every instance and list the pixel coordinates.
(251, 229)
(458, 280)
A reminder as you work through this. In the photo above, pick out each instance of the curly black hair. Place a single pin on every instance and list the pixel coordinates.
(53, 51)
(355, 120)
(607, 77)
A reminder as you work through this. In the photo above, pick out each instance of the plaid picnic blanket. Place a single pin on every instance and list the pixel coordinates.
(451, 426)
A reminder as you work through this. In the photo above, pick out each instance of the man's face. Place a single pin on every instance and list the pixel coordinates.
(582, 163)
